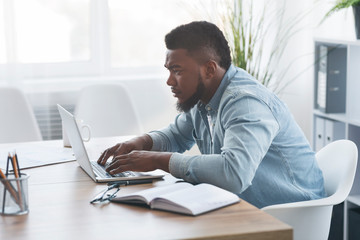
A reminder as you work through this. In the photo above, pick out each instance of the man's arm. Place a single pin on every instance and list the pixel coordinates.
(134, 155)
(150, 151)
(177, 137)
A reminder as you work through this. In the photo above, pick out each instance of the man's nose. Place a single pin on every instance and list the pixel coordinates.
(171, 81)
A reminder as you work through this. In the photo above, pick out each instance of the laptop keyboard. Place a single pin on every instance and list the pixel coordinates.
(102, 172)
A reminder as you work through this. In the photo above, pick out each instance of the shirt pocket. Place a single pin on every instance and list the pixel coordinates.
(199, 142)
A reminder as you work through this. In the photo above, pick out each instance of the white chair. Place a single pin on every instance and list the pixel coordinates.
(17, 122)
(108, 109)
(311, 219)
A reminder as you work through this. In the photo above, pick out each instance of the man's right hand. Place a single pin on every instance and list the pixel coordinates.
(143, 142)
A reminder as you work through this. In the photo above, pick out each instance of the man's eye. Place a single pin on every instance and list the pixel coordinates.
(177, 71)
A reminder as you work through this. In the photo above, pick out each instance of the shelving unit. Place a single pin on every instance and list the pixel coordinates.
(331, 125)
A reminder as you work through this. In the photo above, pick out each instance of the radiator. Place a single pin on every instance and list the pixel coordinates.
(49, 120)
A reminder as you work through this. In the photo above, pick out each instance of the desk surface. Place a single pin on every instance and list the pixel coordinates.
(59, 206)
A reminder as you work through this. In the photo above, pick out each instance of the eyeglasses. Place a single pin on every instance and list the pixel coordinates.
(106, 196)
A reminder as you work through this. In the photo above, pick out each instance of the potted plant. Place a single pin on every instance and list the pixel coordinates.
(249, 36)
(257, 37)
(341, 4)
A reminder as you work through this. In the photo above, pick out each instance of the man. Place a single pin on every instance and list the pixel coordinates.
(249, 142)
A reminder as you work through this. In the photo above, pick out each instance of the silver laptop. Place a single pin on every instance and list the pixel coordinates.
(90, 166)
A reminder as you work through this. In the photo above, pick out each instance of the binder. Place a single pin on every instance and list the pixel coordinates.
(327, 131)
(331, 78)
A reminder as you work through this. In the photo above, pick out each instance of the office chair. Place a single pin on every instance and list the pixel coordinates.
(311, 219)
(17, 122)
(108, 109)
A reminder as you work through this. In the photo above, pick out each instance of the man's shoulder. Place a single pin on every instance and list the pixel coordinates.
(244, 86)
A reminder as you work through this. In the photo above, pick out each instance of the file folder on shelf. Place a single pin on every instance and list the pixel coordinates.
(330, 78)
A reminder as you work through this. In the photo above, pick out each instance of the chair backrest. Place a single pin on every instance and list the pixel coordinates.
(108, 109)
(338, 161)
(17, 122)
(311, 219)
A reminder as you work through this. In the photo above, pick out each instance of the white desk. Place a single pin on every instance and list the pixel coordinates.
(51, 152)
(59, 206)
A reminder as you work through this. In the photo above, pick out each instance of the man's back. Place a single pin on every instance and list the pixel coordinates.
(288, 172)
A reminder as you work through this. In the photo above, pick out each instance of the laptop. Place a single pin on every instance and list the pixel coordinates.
(90, 166)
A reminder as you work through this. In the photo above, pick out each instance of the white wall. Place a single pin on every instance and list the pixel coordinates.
(153, 98)
(299, 94)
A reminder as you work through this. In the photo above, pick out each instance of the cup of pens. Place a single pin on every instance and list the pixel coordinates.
(13, 189)
(14, 195)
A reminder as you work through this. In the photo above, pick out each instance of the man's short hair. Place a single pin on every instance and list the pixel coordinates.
(202, 40)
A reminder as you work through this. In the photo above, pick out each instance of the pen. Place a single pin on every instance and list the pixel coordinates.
(18, 168)
(9, 159)
(6, 174)
(131, 182)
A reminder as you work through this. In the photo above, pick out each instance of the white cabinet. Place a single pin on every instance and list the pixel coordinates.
(326, 131)
(331, 125)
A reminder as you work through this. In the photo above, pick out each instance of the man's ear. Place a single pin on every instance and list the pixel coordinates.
(210, 69)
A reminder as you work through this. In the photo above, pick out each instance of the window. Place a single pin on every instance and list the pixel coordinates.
(52, 30)
(138, 28)
(2, 34)
(50, 39)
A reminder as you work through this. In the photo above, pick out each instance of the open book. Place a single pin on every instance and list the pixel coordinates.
(182, 198)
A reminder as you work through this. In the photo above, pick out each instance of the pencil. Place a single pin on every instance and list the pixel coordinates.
(17, 164)
(17, 176)
(9, 187)
(16, 171)
(2, 175)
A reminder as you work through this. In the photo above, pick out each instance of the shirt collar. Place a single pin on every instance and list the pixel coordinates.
(214, 102)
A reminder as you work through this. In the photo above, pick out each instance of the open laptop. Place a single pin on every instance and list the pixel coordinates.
(90, 166)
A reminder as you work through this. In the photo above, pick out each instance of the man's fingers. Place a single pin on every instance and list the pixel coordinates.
(118, 166)
(99, 161)
(115, 151)
(106, 154)
(116, 162)
(120, 169)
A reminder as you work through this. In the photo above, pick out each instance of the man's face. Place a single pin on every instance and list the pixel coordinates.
(184, 78)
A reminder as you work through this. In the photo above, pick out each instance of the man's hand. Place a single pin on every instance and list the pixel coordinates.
(134, 155)
(140, 161)
(143, 142)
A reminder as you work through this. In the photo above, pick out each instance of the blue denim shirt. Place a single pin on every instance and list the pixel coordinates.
(250, 144)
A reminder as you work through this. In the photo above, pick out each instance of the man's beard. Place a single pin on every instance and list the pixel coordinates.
(194, 99)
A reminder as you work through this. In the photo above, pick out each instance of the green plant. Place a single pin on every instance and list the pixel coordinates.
(257, 36)
(258, 40)
(341, 4)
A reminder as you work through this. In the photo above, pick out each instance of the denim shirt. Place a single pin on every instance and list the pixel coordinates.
(250, 144)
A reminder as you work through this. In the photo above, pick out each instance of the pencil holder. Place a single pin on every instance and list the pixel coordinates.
(14, 195)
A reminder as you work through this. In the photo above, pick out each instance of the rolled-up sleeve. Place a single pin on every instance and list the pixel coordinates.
(177, 137)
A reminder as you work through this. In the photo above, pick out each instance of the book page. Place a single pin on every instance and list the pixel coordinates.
(195, 200)
(149, 194)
